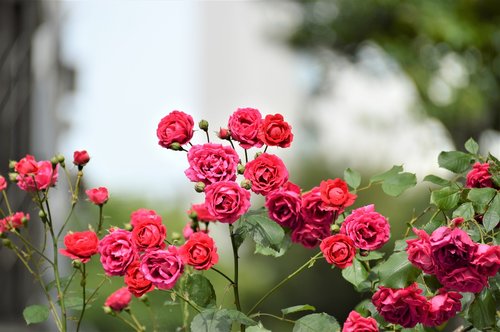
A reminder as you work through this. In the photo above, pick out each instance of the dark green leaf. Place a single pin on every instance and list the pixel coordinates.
(491, 218)
(200, 291)
(482, 311)
(35, 314)
(400, 245)
(268, 251)
(316, 323)
(455, 161)
(264, 231)
(397, 271)
(365, 308)
(433, 224)
(356, 274)
(372, 255)
(352, 177)
(297, 308)
(390, 173)
(437, 180)
(480, 198)
(446, 198)
(213, 320)
(397, 184)
(465, 211)
(472, 146)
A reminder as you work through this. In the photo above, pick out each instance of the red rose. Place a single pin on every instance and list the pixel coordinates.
(310, 235)
(274, 131)
(148, 234)
(81, 158)
(142, 214)
(313, 210)
(452, 248)
(33, 175)
(357, 323)
(338, 250)
(487, 259)
(15, 221)
(420, 253)
(479, 176)
(226, 201)
(368, 229)
(137, 284)
(80, 245)
(201, 212)
(27, 165)
(175, 127)
(403, 306)
(3, 183)
(284, 207)
(199, 251)
(117, 252)
(442, 307)
(464, 279)
(267, 173)
(119, 300)
(336, 195)
(244, 126)
(98, 196)
(209, 163)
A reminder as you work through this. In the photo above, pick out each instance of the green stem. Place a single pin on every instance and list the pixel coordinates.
(94, 293)
(222, 274)
(285, 280)
(236, 272)
(140, 327)
(6, 202)
(414, 219)
(208, 136)
(194, 306)
(84, 302)
(129, 323)
(246, 156)
(99, 225)
(283, 319)
(67, 220)
(30, 246)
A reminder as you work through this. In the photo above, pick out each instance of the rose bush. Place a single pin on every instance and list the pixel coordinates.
(445, 266)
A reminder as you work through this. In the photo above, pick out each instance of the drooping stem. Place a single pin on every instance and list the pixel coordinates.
(236, 272)
(83, 283)
(284, 281)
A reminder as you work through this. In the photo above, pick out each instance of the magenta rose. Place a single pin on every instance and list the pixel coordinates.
(267, 173)
(452, 248)
(420, 253)
(244, 125)
(33, 175)
(479, 176)
(310, 235)
(442, 307)
(403, 306)
(464, 279)
(313, 210)
(339, 250)
(98, 196)
(3, 183)
(284, 207)
(368, 229)
(117, 252)
(487, 259)
(119, 300)
(149, 234)
(275, 131)
(226, 201)
(357, 323)
(141, 215)
(335, 195)
(175, 127)
(209, 163)
(162, 267)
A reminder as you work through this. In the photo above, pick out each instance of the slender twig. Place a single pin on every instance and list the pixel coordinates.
(208, 136)
(246, 156)
(222, 274)
(283, 319)
(4, 194)
(236, 274)
(129, 323)
(30, 246)
(99, 225)
(83, 283)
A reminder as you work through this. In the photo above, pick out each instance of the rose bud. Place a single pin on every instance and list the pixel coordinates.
(98, 196)
(80, 158)
(203, 124)
(119, 300)
(224, 133)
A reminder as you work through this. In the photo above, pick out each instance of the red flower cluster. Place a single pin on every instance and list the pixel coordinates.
(479, 176)
(35, 175)
(15, 221)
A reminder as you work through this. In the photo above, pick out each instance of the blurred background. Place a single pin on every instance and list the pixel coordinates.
(364, 84)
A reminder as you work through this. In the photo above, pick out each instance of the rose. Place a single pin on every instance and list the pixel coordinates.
(310, 235)
(187, 231)
(442, 307)
(98, 196)
(274, 131)
(137, 284)
(33, 175)
(368, 229)
(15, 221)
(335, 195)
(226, 201)
(80, 245)
(141, 215)
(487, 259)
(420, 253)
(200, 212)
(464, 279)
(81, 158)
(244, 125)
(338, 250)
(209, 163)
(149, 234)
(117, 252)
(162, 267)
(175, 127)
(267, 173)
(313, 210)
(27, 165)
(403, 306)
(119, 300)
(3, 183)
(357, 323)
(451, 248)
(479, 176)
(283, 207)
(199, 251)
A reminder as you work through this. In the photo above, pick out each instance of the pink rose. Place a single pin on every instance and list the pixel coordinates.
(313, 210)
(15, 221)
(442, 307)
(479, 176)
(201, 212)
(141, 215)
(267, 173)
(119, 300)
(98, 196)
(162, 267)
(403, 306)
(310, 235)
(81, 158)
(244, 125)
(420, 253)
(284, 207)
(464, 279)
(487, 259)
(335, 195)
(199, 251)
(226, 201)
(274, 131)
(451, 248)
(368, 229)
(80, 245)
(175, 127)
(3, 183)
(357, 323)
(338, 250)
(33, 175)
(187, 231)
(209, 163)
(148, 234)
(117, 252)
(27, 166)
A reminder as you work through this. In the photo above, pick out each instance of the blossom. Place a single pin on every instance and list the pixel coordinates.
(420, 253)
(117, 252)
(368, 229)
(98, 196)
(3, 183)
(199, 251)
(162, 267)
(274, 131)
(313, 210)
(119, 300)
(226, 201)
(142, 215)
(81, 158)
(80, 245)
(175, 127)
(33, 175)
(463, 279)
(335, 195)
(15, 221)
(209, 163)
(244, 125)
(452, 248)
(486, 259)
(149, 233)
(442, 307)
(284, 207)
(201, 212)
(479, 176)
(357, 323)
(267, 173)
(310, 235)
(136, 283)
(338, 250)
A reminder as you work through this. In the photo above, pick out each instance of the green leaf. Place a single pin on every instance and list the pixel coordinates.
(396, 185)
(352, 177)
(356, 274)
(264, 231)
(213, 320)
(482, 311)
(397, 271)
(385, 175)
(400, 245)
(455, 161)
(437, 180)
(436, 222)
(372, 255)
(64, 282)
(365, 308)
(472, 146)
(316, 323)
(297, 308)
(465, 211)
(35, 314)
(480, 198)
(491, 218)
(446, 198)
(257, 328)
(73, 302)
(200, 291)
(268, 251)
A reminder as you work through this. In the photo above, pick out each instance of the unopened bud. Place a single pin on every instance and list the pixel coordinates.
(13, 177)
(60, 158)
(54, 161)
(12, 164)
(335, 228)
(364, 253)
(193, 215)
(203, 124)
(176, 236)
(224, 133)
(175, 146)
(7, 243)
(241, 169)
(128, 226)
(76, 263)
(199, 187)
(455, 222)
(108, 310)
(257, 155)
(246, 184)
(24, 220)
(42, 214)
